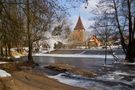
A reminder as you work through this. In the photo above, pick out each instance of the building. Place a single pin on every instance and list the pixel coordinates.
(93, 41)
(78, 35)
(79, 31)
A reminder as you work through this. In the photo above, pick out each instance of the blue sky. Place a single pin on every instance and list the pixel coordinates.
(85, 13)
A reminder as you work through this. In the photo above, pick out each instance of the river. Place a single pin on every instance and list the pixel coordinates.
(110, 77)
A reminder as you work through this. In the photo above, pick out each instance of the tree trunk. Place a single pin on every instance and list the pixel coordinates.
(130, 50)
(6, 51)
(30, 58)
(9, 50)
(130, 57)
(1, 50)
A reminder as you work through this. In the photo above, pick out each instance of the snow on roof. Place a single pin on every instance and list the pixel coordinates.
(4, 74)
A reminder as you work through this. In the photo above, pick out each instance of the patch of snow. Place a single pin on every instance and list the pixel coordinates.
(17, 56)
(110, 77)
(107, 77)
(106, 65)
(4, 74)
(108, 47)
(129, 63)
(96, 48)
(62, 79)
(3, 62)
(115, 46)
(44, 51)
(120, 73)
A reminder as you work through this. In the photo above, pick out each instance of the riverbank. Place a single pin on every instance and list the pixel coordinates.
(26, 78)
(86, 73)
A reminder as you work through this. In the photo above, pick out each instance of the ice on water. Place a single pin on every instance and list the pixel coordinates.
(79, 81)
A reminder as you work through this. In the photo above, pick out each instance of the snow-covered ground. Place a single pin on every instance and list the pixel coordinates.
(108, 47)
(3, 62)
(17, 56)
(4, 73)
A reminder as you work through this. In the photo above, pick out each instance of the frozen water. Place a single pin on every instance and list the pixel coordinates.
(108, 80)
(79, 81)
(107, 77)
(120, 73)
(78, 55)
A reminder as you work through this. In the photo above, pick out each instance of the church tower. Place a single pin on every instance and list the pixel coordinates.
(79, 32)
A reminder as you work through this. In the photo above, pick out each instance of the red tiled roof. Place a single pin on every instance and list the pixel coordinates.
(79, 25)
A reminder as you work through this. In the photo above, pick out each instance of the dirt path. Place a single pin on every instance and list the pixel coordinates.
(23, 80)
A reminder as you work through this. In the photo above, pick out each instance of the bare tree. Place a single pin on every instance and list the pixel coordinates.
(122, 19)
(23, 22)
(11, 32)
(40, 15)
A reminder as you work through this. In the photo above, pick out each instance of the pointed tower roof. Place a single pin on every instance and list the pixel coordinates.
(79, 24)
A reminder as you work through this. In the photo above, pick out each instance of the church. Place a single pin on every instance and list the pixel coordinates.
(78, 37)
